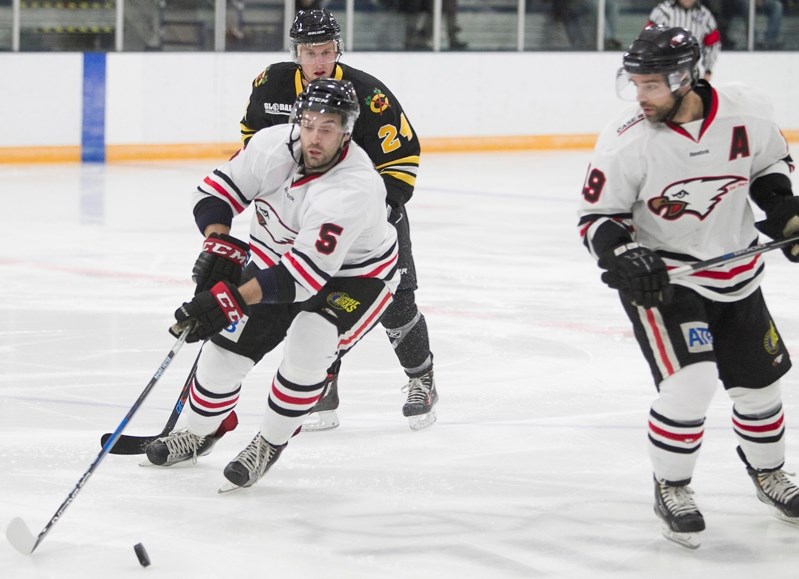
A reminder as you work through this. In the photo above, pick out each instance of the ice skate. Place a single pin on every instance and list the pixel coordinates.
(682, 521)
(251, 464)
(182, 445)
(775, 489)
(323, 416)
(179, 446)
(422, 398)
(778, 492)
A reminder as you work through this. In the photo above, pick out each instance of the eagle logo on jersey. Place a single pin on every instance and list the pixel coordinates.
(695, 197)
(377, 102)
(268, 219)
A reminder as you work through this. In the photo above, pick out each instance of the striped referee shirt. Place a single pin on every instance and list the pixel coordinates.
(697, 20)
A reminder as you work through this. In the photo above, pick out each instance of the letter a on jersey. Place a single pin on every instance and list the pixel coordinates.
(740, 143)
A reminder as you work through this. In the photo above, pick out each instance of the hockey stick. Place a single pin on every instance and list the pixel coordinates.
(730, 257)
(18, 533)
(131, 444)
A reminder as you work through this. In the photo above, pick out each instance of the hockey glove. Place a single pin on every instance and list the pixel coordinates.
(210, 312)
(222, 259)
(782, 221)
(638, 273)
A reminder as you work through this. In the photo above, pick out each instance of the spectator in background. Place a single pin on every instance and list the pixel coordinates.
(419, 23)
(730, 10)
(612, 41)
(579, 19)
(696, 19)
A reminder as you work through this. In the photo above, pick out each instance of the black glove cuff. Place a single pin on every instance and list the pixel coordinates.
(608, 258)
(778, 217)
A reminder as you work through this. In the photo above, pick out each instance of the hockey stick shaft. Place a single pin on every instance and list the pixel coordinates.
(132, 444)
(18, 534)
(684, 270)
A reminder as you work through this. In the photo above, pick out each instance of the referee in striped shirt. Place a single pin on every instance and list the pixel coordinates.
(698, 20)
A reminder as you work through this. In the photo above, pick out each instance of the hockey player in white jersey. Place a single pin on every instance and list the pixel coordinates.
(669, 184)
(323, 266)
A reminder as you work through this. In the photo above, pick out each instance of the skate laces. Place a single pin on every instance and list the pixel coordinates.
(777, 486)
(418, 389)
(183, 443)
(257, 455)
(678, 499)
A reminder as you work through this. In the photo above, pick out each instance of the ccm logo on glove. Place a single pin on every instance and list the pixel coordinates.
(222, 248)
(227, 302)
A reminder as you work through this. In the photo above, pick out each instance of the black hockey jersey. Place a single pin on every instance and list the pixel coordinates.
(382, 129)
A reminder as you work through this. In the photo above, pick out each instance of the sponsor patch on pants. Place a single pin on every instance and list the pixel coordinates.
(234, 330)
(697, 337)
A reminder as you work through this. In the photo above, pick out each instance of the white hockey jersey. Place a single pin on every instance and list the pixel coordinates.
(319, 225)
(683, 190)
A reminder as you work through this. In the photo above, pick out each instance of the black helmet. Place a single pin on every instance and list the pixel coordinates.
(314, 27)
(328, 95)
(662, 49)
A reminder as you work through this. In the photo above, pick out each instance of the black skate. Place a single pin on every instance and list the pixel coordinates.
(251, 464)
(775, 489)
(179, 446)
(682, 521)
(323, 415)
(182, 445)
(422, 397)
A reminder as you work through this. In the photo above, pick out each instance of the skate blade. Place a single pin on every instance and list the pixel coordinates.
(319, 421)
(778, 514)
(422, 421)
(182, 464)
(228, 487)
(687, 540)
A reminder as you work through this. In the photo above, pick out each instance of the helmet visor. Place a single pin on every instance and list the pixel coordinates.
(636, 86)
(317, 53)
(311, 115)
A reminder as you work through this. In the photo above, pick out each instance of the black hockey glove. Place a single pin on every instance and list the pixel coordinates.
(210, 312)
(222, 259)
(638, 273)
(782, 220)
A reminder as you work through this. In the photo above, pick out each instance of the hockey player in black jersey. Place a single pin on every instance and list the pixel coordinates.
(384, 132)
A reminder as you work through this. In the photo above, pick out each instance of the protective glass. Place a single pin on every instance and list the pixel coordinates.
(324, 125)
(635, 86)
(322, 54)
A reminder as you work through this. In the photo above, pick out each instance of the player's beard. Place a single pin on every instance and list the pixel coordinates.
(655, 114)
(322, 162)
(661, 114)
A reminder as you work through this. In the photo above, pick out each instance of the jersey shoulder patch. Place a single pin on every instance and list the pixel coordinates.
(377, 101)
(373, 95)
(260, 79)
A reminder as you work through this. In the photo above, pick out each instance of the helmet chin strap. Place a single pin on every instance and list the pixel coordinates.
(678, 100)
(675, 109)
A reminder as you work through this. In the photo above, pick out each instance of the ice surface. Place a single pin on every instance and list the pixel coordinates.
(537, 466)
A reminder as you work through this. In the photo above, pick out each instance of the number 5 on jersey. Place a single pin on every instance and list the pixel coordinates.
(327, 238)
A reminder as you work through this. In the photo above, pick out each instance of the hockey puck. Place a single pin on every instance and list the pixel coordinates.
(141, 553)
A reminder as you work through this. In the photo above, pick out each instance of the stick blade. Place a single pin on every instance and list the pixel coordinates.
(128, 444)
(20, 536)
